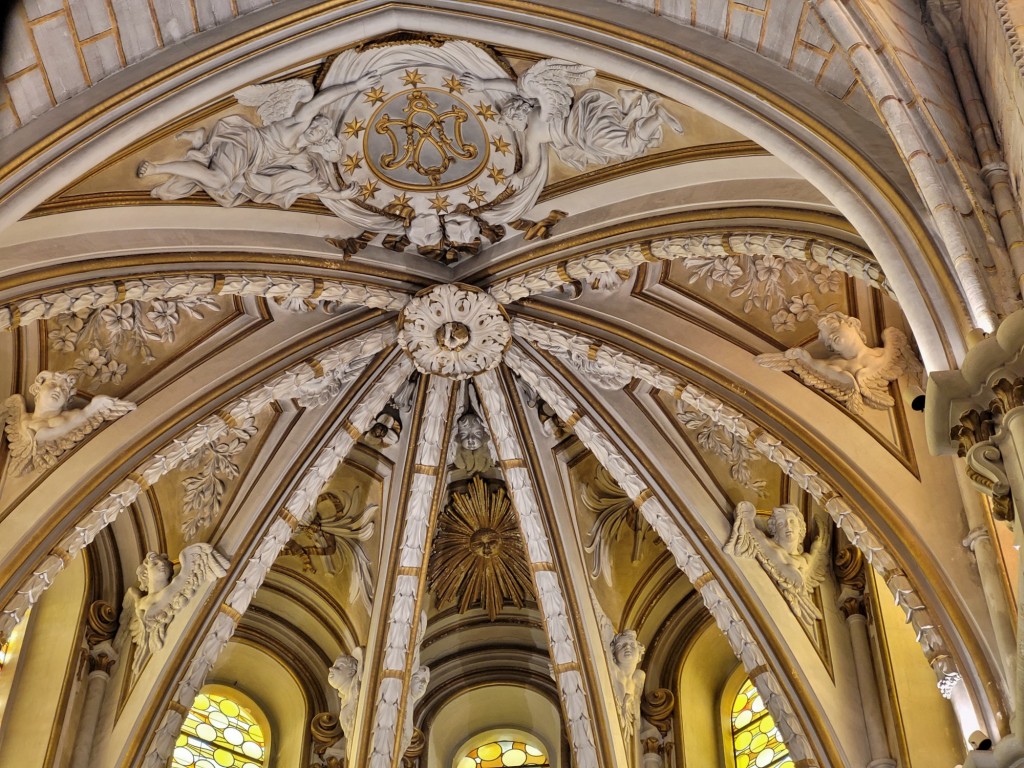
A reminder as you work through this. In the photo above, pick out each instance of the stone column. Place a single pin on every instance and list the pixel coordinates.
(978, 412)
(849, 569)
(101, 624)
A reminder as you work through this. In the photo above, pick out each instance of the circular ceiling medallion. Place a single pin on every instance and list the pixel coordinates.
(454, 330)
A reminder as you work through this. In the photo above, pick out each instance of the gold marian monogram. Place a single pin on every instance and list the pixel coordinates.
(425, 138)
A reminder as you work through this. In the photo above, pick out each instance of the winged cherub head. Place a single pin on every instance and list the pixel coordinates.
(470, 431)
(515, 113)
(787, 528)
(343, 672)
(627, 651)
(841, 334)
(52, 390)
(155, 572)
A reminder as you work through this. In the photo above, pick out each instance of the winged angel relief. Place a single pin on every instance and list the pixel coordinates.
(841, 364)
(148, 609)
(395, 146)
(778, 545)
(40, 437)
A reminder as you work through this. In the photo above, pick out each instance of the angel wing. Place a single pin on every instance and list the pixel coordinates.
(102, 408)
(21, 440)
(276, 101)
(550, 83)
(817, 374)
(200, 563)
(897, 360)
(817, 564)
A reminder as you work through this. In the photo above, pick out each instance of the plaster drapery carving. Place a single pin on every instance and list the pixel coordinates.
(779, 548)
(616, 515)
(161, 595)
(39, 438)
(299, 506)
(262, 396)
(346, 677)
(772, 448)
(841, 364)
(454, 330)
(687, 560)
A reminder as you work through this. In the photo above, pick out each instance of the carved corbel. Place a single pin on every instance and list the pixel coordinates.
(656, 743)
(411, 758)
(849, 570)
(326, 731)
(974, 436)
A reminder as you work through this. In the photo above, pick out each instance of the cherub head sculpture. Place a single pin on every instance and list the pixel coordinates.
(515, 113)
(841, 334)
(470, 431)
(627, 652)
(418, 683)
(155, 572)
(52, 390)
(344, 672)
(787, 528)
(319, 138)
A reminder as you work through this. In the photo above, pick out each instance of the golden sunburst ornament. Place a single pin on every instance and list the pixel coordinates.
(477, 557)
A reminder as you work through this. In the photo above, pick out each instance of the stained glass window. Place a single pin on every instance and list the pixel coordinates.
(218, 733)
(755, 737)
(3, 655)
(499, 754)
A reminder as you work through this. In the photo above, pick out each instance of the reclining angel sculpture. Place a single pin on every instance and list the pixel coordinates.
(542, 109)
(779, 548)
(149, 609)
(40, 437)
(287, 157)
(841, 364)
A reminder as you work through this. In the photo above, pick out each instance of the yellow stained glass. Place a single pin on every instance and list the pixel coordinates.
(503, 754)
(755, 736)
(218, 733)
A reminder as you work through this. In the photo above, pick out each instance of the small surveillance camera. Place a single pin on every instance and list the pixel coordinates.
(980, 741)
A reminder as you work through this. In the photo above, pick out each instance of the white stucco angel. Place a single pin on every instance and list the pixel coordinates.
(541, 107)
(287, 157)
(161, 595)
(417, 687)
(624, 653)
(38, 438)
(345, 677)
(841, 364)
(778, 545)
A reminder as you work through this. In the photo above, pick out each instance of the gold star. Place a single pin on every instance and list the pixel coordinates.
(500, 145)
(475, 194)
(412, 77)
(354, 128)
(453, 85)
(440, 203)
(486, 111)
(497, 174)
(375, 95)
(352, 162)
(400, 200)
(368, 189)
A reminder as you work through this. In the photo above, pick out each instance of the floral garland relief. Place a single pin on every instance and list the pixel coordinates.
(109, 338)
(751, 269)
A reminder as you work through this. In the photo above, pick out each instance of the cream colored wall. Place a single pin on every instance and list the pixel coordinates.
(707, 666)
(32, 731)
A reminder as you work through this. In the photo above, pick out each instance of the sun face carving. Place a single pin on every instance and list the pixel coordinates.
(454, 330)
(477, 557)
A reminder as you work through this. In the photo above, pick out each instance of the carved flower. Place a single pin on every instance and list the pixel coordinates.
(164, 316)
(64, 338)
(118, 318)
(783, 320)
(827, 280)
(769, 268)
(726, 270)
(92, 363)
(803, 307)
(112, 371)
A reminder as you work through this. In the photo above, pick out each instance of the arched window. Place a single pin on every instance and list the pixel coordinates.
(499, 754)
(219, 733)
(753, 736)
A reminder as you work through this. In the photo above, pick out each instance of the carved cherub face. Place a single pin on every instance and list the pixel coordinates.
(470, 431)
(52, 390)
(155, 572)
(787, 528)
(418, 683)
(626, 651)
(841, 334)
(343, 671)
(515, 113)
